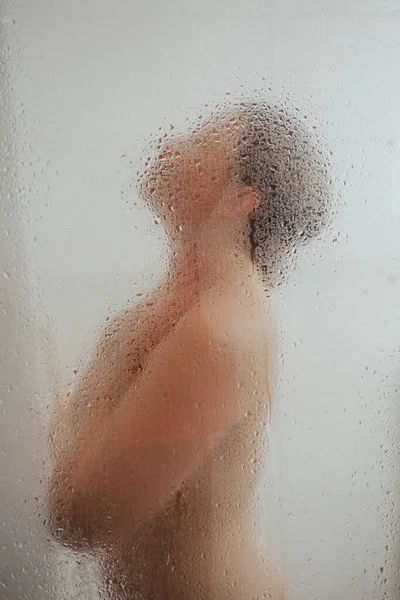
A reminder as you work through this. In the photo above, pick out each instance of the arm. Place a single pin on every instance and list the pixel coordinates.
(117, 363)
(118, 477)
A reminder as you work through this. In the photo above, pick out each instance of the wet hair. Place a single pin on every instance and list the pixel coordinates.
(277, 152)
(287, 165)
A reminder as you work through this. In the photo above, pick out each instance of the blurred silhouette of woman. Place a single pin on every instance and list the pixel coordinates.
(158, 456)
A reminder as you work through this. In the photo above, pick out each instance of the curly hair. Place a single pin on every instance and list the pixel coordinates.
(288, 167)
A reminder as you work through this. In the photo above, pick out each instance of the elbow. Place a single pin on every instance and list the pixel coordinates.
(71, 511)
(66, 510)
(84, 514)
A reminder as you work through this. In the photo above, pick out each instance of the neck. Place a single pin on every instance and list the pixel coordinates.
(213, 255)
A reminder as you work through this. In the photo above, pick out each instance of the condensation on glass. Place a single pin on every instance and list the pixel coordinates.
(200, 296)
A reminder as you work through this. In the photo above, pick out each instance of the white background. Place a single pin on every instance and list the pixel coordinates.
(86, 82)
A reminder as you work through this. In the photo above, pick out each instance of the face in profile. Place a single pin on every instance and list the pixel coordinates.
(192, 174)
(251, 164)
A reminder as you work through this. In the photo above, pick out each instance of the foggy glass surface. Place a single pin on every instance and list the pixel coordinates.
(85, 85)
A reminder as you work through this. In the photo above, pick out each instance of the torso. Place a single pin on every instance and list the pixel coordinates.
(205, 544)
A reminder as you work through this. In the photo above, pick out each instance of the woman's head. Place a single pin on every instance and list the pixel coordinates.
(288, 167)
(192, 173)
(250, 162)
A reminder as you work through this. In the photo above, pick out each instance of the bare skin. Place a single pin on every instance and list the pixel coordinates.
(159, 453)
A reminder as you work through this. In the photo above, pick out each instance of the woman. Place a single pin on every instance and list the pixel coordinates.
(158, 455)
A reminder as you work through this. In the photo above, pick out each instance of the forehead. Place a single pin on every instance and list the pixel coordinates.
(224, 128)
(209, 145)
(206, 153)
(216, 137)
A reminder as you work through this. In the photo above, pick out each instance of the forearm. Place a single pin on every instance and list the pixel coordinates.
(122, 474)
(122, 355)
(121, 481)
(159, 434)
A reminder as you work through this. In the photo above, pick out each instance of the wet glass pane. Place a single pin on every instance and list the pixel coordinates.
(199, 300)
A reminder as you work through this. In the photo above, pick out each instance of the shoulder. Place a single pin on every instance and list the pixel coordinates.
(197, 331)
(197, 345)
(205, 343)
